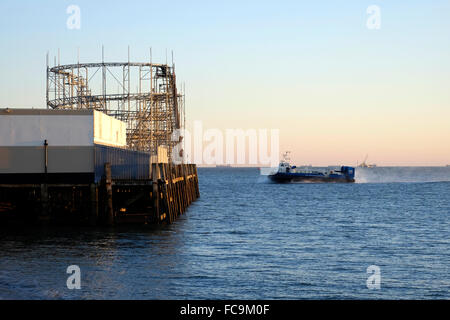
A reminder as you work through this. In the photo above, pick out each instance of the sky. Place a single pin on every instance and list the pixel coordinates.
(336, 89)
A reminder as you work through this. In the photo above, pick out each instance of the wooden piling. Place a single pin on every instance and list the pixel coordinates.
(109, 195)
(93, 217)
(161, 198)
(155, 192)
(165, 193)
(197, 190)
(44, 212)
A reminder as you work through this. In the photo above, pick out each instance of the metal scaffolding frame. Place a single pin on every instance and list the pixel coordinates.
(152, 112)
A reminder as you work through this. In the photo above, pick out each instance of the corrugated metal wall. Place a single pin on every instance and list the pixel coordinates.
(125, 164)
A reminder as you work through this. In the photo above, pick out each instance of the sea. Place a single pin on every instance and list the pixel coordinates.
(387, 236)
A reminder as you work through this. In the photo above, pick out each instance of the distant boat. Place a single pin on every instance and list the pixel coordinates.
(364, 164)
(287, 173)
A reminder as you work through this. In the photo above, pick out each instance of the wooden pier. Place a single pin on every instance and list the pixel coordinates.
(158, 200)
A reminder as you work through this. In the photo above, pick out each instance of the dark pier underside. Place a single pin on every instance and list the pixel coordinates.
(76, 199)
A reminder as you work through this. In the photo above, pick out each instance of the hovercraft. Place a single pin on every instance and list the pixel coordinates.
(287, 173)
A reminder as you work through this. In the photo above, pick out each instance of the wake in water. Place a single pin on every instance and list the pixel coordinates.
(402, 174)
(265, 171)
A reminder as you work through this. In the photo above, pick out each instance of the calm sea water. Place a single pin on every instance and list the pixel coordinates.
(246, 238)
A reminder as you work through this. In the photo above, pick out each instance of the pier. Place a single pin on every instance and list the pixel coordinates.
(158, 200)
(97, 156)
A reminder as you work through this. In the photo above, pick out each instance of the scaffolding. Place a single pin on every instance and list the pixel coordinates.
(142, 94)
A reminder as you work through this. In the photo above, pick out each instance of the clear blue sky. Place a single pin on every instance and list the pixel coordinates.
(252, 64)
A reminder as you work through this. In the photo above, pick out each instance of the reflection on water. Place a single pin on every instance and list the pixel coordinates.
(250, 240)
(33, 261)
